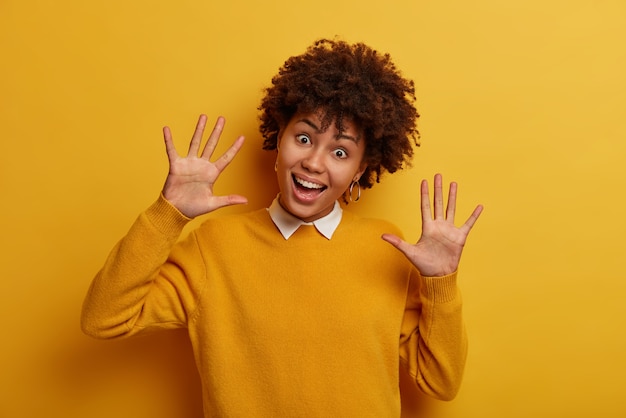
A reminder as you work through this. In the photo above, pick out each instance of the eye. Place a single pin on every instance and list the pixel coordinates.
(341, 153)
(303, 139)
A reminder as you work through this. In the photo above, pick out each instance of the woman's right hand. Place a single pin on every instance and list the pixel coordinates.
(189, 184)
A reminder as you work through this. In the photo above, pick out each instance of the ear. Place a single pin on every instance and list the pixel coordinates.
(279, 137)
(359, 173)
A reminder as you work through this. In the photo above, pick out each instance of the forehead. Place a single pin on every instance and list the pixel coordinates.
(320, 122)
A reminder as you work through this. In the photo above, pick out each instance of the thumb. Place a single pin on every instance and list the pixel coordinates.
(397, 242)
(229, 200)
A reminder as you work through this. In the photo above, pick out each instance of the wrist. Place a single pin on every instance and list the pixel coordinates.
(440, 288)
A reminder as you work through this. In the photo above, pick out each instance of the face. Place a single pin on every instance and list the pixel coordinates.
(315, 167)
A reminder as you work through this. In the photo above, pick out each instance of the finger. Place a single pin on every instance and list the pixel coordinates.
(196, 139)
(467, 226)
(172, 155)
(425, 202)
(438, 197)
(213, 138)
(222, 162)
(451, 209)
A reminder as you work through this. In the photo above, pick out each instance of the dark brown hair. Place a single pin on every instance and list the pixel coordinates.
(350, 81)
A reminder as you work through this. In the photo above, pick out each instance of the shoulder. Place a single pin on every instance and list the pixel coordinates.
(362, 237)
(358, 224)
(258, 218)
(365, 235)
(229, 232)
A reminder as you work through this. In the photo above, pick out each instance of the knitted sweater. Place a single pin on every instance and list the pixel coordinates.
(305, 327)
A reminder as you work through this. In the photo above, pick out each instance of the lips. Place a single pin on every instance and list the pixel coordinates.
(307, 190)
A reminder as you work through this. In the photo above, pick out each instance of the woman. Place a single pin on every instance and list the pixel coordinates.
(300, 309)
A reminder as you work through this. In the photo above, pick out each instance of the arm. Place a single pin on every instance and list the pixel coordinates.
(117, 303)
(144, 282)
(433, 340)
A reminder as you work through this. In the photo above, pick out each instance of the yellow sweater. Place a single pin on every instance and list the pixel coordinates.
(305, 327)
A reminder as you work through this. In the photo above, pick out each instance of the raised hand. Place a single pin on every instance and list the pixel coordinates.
(189, 184)
(438, 251)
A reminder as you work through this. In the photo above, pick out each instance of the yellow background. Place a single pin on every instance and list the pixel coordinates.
(522, 102)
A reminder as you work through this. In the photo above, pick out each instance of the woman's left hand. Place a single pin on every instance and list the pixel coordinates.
(438, 251)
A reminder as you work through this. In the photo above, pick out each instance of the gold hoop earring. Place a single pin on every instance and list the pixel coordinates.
(358, 191)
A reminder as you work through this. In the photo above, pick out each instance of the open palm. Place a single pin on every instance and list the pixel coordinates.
(191, 179)
(438, 251)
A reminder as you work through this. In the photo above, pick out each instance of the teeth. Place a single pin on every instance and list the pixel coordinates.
(308, 184)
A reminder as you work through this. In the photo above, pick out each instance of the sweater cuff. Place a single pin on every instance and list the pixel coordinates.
(165, 217)
(440, 289)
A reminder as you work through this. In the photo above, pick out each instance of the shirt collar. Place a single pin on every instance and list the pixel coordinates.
(287, 224)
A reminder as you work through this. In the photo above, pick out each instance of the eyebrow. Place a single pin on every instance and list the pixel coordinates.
(340, 136)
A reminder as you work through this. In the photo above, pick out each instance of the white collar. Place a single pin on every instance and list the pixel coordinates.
(287, 224)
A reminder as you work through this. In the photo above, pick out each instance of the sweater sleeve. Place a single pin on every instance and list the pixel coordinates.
(433, 344)
(141, 286)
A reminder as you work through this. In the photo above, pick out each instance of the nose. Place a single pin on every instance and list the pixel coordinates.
(313, 161)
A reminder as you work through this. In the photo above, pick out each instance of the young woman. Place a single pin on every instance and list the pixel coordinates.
(300, 309)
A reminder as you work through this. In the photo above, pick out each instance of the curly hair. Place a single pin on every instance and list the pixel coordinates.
(351, 81)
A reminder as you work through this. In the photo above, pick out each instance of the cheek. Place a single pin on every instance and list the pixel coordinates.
(287, 156)
(341, 177)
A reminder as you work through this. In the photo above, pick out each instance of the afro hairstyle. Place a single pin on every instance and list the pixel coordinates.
(353, 81)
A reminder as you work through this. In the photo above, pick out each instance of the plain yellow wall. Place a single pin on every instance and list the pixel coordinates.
(522, 102)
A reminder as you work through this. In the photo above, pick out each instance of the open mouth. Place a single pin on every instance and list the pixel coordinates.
(307, 189)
